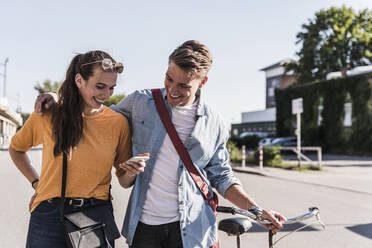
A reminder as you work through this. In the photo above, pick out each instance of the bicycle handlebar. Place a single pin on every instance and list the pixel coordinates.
(313, 211)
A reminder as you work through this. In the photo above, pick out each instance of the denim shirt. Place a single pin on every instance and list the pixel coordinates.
(206, 145)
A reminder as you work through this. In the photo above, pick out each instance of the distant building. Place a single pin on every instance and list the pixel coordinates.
(9, 122)
(276, 77)
(262, 122)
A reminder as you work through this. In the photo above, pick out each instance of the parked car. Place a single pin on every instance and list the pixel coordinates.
(284, 141)
(265, 142)
(259, 134)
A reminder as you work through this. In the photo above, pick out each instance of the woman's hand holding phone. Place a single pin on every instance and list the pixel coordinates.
(135, 165)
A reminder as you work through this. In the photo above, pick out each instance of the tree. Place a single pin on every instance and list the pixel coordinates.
(114, 99)
(336, 39)
(47, 86)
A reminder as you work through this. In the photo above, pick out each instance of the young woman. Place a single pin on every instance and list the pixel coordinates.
(94, 137)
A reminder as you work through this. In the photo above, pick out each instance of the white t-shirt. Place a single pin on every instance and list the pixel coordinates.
(161, 204)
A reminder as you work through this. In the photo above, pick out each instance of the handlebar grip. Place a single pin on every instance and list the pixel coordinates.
(228, 210)
(313, 208)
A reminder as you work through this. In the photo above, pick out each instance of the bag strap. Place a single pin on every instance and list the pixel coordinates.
(63, 188)
(181, 150)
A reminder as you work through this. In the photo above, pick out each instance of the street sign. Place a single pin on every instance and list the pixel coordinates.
(297, 106)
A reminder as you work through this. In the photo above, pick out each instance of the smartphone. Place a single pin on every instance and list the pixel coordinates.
(138, 158)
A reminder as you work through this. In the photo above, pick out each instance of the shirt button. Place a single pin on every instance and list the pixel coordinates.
(181, 166)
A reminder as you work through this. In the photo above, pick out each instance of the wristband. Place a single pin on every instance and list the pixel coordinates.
(256, 210)
(33, 182)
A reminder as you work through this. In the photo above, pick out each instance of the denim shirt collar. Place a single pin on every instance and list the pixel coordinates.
(201, 105)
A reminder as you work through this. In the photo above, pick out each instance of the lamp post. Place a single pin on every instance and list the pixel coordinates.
(4, 75)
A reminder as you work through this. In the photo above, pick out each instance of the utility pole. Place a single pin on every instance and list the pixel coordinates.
(4, 75)
(19, 110)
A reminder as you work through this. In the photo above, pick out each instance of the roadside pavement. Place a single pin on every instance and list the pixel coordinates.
(346, 175)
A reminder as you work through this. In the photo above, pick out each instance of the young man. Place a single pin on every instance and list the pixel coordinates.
(166, 208)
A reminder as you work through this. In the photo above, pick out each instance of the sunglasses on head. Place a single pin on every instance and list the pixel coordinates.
(108, 65)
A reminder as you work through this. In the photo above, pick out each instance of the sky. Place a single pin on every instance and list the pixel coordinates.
(41, 37)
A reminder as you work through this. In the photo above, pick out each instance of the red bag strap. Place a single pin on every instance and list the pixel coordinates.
(181, 150)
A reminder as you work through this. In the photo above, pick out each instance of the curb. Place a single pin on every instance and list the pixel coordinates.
(255, 172)
(249, 171)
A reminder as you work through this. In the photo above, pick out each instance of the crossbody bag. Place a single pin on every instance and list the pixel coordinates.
(91, 227)
(210, 197)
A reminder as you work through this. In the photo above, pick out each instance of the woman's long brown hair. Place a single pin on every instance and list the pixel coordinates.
(67, 118)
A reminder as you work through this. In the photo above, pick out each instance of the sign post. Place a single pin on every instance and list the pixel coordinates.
(297, 109)
(261, 158)
(243, 156)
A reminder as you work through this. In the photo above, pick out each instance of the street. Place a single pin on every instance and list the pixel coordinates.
(346, 213)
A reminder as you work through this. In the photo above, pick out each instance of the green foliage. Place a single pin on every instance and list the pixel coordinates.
(250, 142)
(271, 156)
(361, 131)
(25, 117)
(47, 86)
(294, 166)
(235, 154)
(331, 135)
(114, 99)
(336, 39)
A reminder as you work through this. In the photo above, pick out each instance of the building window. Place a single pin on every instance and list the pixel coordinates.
(272, 84)
(271, 91)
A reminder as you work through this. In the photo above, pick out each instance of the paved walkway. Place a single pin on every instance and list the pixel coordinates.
(355, 176)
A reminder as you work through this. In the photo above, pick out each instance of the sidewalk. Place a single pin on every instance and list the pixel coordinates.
(354, 177)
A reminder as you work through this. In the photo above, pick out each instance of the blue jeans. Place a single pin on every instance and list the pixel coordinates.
(45, 229)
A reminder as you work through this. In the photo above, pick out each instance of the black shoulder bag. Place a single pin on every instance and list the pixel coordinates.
(91, 227)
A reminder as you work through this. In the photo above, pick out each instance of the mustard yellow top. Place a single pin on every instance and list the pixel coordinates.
(105, 142)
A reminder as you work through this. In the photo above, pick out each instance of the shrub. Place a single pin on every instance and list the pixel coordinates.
(331, 135)
(235, 154)
(271, 156)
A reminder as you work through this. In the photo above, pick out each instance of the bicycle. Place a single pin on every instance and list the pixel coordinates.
(239, 226)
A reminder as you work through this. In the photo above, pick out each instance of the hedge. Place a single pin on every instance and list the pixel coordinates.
(331, 134)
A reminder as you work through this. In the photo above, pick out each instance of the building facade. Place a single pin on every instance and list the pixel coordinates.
(277, 77)
(10, 120)
(263, 122)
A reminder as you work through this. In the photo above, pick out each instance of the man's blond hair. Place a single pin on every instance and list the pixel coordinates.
(193, 57)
